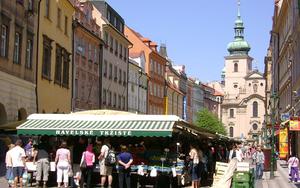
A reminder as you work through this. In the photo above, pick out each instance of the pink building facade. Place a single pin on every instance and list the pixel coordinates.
(87, 59)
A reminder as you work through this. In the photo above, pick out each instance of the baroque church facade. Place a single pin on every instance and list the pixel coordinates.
(243, 106)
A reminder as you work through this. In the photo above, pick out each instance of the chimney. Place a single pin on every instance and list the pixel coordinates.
(163, 50)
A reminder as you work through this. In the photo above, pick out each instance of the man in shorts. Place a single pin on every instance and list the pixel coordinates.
(105, 171)
(18, 162)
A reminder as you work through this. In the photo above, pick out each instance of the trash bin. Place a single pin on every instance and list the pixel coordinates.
(241, 177)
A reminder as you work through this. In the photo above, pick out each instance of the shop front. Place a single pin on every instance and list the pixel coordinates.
(158, 143)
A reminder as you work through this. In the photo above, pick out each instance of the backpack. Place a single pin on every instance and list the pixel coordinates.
(110, 159)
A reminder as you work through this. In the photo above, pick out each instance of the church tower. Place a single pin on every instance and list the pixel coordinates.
(244, 93)
(238, 63)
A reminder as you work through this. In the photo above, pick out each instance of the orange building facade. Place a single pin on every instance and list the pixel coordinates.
(155, 68)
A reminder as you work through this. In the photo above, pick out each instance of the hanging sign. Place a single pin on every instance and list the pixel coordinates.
(283, 143)
(294, 125)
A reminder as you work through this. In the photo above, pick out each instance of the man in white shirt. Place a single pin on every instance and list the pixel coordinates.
(104, 169)
(236, 152)
(18, 162)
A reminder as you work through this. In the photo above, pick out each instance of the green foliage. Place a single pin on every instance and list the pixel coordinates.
(209, 121)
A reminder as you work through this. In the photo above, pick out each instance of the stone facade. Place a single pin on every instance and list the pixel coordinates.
(87, 59)
(18, 44)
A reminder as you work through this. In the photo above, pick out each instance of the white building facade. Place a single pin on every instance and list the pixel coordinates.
(137, 84)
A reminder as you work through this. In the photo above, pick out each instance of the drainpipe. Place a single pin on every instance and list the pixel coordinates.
(74, 25)
(37, 58)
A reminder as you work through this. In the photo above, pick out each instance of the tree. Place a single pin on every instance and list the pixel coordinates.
(209, 121)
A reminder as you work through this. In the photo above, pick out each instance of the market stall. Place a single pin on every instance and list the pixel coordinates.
(164, 138)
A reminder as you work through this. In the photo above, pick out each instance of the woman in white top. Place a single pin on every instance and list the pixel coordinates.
(63, 160)
(194, 157)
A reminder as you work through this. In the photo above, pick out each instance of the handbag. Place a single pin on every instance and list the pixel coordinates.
(83, 163)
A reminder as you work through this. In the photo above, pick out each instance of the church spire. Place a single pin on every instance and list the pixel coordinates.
(239, 46)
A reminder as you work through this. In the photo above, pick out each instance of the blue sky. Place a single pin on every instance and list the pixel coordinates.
(197, 31)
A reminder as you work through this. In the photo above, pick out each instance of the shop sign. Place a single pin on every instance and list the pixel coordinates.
(93, 132)
(294, 125)
(283, 143)
(285, 116)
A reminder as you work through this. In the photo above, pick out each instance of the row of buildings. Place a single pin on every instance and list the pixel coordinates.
(282, 72)
(71, 55)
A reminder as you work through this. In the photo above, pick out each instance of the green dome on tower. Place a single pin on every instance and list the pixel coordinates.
(239, 46)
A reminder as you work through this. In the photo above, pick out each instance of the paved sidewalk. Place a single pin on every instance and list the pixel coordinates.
(281, 179)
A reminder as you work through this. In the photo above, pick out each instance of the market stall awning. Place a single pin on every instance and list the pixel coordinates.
(98, 125)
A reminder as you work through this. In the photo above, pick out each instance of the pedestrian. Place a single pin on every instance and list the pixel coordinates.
(293, 164)
(87, 158)
(41, 158)
(105, 169)
(194, 165)
(259, 160)
(232, 153)
(63, 160)
(18, 163)
(124, 160)
(9, 169)
(29, 149)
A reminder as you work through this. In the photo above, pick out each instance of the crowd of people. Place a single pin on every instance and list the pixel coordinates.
(72, 173)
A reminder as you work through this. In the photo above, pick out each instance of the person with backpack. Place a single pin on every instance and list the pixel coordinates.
(86, 166)
(106, 160)
(125, 160)
(293, 164)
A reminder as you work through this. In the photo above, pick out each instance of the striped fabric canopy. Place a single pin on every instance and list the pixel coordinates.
(98, 125)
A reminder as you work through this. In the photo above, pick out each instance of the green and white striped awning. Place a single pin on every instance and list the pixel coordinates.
(98, 125)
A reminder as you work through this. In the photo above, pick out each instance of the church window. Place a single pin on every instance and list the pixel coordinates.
(254, 126)
(231, 113)
(236, 67)
(235, 85)
(255, 109)
(255, 88)
(231, 131)
(261, 84)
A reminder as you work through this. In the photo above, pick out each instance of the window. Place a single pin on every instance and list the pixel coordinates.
(109, 98)
(89, 51)
(254, 88)
(124, 78)
(116, 47)
(125, 53)
(66, 69)
(58, 65)
(254, 126)
(121, 51)
(95, 55)
(17, 48)
(4, 40)
(115, 100)
(255, 109)
(151, 65)
(115, 73)
(30, 5)
(104, 96)
(28, 63)
(47, 8)
(120, 76)
(119, 101)
(59, 18)
(46, 68)
(105, 68)
(111, 43)
(110, 71)
(236, 67)
(108, 15)
(231, 131)
(106, 38)
(231, 113)
(20, 2)
(76, 88)
(66, 25)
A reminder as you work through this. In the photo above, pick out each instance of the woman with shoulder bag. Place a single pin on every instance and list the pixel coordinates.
(86, 166)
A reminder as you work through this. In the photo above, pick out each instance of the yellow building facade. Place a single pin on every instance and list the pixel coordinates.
(54, 67)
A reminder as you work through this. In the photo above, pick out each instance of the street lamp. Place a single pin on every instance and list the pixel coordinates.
(274, 98)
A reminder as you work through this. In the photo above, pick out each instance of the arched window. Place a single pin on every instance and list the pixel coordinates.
(236, 67)
(255, 109)
(231, 131)
(3, 115)
(254, 126)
